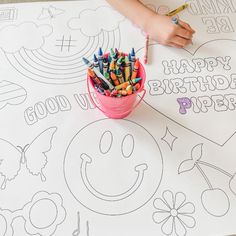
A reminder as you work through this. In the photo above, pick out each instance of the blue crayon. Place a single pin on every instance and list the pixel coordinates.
(133, 59)
(95, 60)
(97, 72)
(100, 59)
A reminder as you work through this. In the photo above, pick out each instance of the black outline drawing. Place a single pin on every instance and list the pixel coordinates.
(77, 231)
(36, 26)
(51, 106)
(168, 214)
(189, 164)
(65, 43)
(50, 12)
(10, 165)
(172, 119)
(11, 94)
(105, 197)
(169, 138)
(8, 14)
(94, 194)
(43, 67)
(88, 9)
(30, 225)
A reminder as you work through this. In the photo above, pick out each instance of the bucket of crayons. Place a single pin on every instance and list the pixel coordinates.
(116, 78)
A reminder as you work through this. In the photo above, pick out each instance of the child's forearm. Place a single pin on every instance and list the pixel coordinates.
(134, 10)
(159, 27)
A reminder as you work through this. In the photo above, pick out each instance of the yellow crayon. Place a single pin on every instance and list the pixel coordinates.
(177, 10)
(129, 89)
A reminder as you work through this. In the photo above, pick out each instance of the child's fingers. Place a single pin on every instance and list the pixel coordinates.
(186, 26)
(174, 45)
(184, 33)
(182, 42)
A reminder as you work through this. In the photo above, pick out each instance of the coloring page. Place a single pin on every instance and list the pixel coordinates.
(168, 168)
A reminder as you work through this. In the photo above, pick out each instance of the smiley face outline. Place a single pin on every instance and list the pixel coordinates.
(118, 197)
(107, 206)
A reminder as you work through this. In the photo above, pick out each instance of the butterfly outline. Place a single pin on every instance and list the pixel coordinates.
(33, 155)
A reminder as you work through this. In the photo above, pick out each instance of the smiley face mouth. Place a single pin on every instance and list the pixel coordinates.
(138, 168)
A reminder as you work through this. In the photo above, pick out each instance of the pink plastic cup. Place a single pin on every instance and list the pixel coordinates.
(118, 107)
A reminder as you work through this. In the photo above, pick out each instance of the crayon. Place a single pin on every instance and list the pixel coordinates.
(100, 59)
(112, 67)
(125, 84)
(105, 66)
(177, 10)
(107, 76)
(132, 55)
(135, 70)
(97, 72)
(114, 92)
(109, 58)
(119, 76)
(99, 89)
(93, 76)
(122, 92)
(127, 69)
(114, 78)
(117, 52)
(129, 89)
(114, 56)
(119, 62)
(95, 60)
(176, 21)
(145, 60)
(172, 13)
(136, 87)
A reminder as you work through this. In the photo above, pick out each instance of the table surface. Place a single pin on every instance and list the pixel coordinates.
(168, 168)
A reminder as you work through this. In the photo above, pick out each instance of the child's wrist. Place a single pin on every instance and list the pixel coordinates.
(146, 19)
(149, 22)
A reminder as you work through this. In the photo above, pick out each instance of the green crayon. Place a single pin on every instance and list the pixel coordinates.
(120, 76)
(127, 68)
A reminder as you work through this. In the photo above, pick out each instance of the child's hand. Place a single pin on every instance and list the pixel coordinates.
(164, 31)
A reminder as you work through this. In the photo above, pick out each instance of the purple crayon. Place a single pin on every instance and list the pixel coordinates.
(97, 72)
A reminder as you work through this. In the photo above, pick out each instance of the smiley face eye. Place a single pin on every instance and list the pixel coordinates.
(105, 142)
(127, 145)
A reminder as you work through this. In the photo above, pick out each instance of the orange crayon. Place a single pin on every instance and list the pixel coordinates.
(94, 77)
(135, 70)
(112, 66)
(114, 78)
(136, 87)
